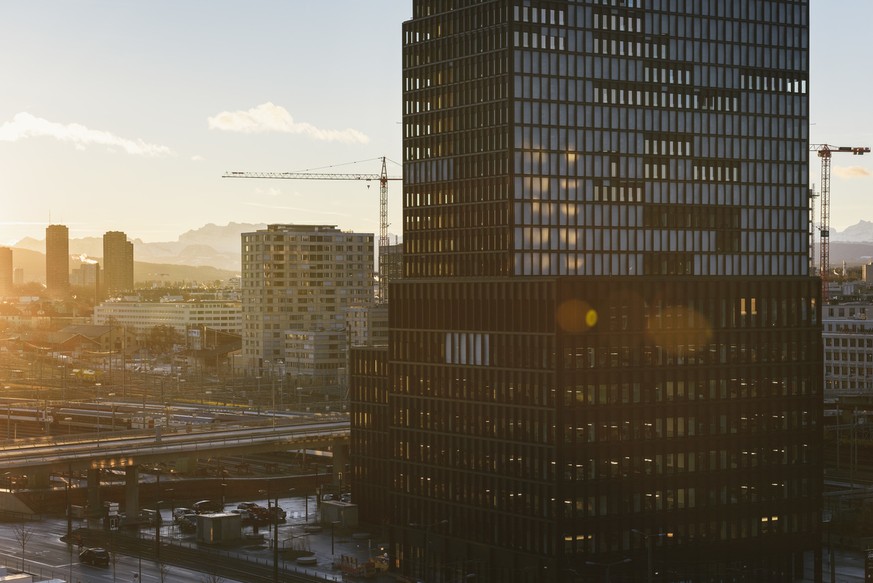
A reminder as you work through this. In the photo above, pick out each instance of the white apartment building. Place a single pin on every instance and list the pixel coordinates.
(848, 348)
(222, 315)
(317, 357)
(299, 278)
(368, 325)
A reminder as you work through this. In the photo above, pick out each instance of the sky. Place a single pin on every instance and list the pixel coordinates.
(123, 115)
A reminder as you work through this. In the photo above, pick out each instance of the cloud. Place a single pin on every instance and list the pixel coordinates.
(25, 125)
(268, 191)
(851, 172)
(197, 158)
(295, 208)
(268, 117)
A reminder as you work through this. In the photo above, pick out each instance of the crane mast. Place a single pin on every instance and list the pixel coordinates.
(825, 152)
(383, 179)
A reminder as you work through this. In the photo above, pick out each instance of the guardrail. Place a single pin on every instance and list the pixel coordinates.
(159, 441)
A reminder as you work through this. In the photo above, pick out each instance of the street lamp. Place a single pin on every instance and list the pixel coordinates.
(826, 520)
(647, 538)
(333, 525)
(112, 396)
(171, 493)
(607, 566)
(427, 531)
(158, 521)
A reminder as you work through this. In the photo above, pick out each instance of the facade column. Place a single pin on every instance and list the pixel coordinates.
(186, 465)
(94, 508)
(38, 477)
(340, 462)
(131, 493)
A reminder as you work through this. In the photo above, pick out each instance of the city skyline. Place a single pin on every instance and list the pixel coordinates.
(102, 139)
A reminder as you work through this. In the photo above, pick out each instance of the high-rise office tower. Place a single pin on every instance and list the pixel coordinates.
(57, 259)
(298, 279)
(117, 263)
(605, 355)
(5, 271)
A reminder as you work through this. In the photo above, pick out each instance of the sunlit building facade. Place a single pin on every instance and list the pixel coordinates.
(605, 354)
(848, 349)
(299, 278)
(57, 259)
(117, 263)
(6, 267)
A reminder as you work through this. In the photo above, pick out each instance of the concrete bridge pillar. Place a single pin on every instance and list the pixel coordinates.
(38, 477)
(94, 511)
(186, 465)
(131, 492)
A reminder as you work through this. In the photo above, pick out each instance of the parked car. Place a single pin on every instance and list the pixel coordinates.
(248, 510)
(188, 523)
(95, 556)
(259, 514)
(178, 513)
(277, 513)
(207, 506)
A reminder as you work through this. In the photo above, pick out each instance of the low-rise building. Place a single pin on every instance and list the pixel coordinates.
(848, 348)
(222, 315)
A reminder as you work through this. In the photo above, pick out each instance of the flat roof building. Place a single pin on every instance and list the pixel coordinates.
(222, 315)
(57, 259)
(605, 353)
(299, 278)
(5, 271)
(117, 263)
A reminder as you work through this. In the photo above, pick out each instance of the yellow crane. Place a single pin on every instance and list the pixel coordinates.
(825, 152)
(383, 179)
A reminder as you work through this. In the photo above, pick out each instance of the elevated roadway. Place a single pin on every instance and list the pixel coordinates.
(38, 458)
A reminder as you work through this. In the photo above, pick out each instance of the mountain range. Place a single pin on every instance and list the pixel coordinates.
(211, 245)
(862, 232)
(209, 253)
(216, 250)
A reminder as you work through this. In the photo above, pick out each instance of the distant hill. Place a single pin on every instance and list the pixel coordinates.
(853, 254)
(209, 246)
(213, 252)
(859, 233)
(33, 264)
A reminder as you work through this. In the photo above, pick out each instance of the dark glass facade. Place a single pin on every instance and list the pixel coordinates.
(605, 356)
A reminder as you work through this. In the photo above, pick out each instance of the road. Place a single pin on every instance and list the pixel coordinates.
(182, 559)
(47, 557)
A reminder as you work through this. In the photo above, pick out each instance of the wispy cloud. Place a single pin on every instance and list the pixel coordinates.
(296, 208)
(268, 117)
(268, 191)
(851, 172)
(25, 125)
(197, 158)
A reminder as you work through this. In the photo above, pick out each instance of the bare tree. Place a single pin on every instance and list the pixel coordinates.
(23, 535)
(212, 578)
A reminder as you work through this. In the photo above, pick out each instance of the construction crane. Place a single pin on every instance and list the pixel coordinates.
(825, 152)
(383, 179)
(811, 228)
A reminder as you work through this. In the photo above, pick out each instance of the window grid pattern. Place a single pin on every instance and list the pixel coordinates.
(636, 108)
